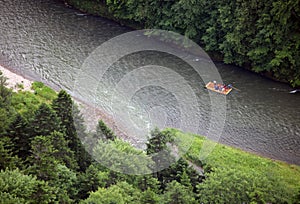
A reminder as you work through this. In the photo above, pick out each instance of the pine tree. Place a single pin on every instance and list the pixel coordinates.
(104, 132)
(186, 181)
(5, 109)
(91, 180)
(158, 141)
(158, 149)
(18, 132)
(150, 197)
(45, 121)
(42, 160)
(5, 93)
(63, 106)
(48, 162)
(178, 194)
(7, 159)
(63, 154)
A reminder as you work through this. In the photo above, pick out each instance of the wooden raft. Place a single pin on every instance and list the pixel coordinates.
(210, 86)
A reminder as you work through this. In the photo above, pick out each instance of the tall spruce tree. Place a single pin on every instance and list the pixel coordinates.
(45, 121)
(42, 160)
(7, 158)
(104, 132)
(63, 106)
(63, 154)
(157, 148)
(18, 133)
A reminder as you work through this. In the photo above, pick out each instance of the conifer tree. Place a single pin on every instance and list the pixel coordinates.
(18, 132)
(45, 121)
(186, 181)
(178, 194)
(5, 93)
(104, 132)
(16, 187)
(157, 148)
(63, 153)
(7, 158)
(63, 106)
(158, 141)
(42, 160)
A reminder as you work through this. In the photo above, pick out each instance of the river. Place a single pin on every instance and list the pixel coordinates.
(44, 40)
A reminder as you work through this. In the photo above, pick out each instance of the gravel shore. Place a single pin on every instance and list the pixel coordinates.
(90, 114)
(16, 81)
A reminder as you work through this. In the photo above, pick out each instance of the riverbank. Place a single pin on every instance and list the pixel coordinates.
(230, 175)
(90, 114)
(16, 82)
(221, 43)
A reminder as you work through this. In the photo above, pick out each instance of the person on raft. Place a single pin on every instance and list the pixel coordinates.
(221, 87)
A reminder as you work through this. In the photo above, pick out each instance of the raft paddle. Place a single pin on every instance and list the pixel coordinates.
(235, 88)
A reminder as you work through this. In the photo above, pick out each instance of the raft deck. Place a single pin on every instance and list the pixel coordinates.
(210, 86)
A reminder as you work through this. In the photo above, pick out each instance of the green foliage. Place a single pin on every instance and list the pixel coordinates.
(5, 101)
(65, 184)
(226, 169)
(26, 102)
(263, 35)
(63, 106)
(157, 148)
(177, 193)
(120, 193)
(7, 159)
(20, 188)
(18, 132)
(150, 197)
(42, 160)
(145, 182)
(158, 141)
(43, 91)
(91, 180)
(103, 132)
(63, 154)
(122, 157)
(4, 120)
(48, 163)
(234, 186)
(5, 93)
(40, 138)
(45, 121)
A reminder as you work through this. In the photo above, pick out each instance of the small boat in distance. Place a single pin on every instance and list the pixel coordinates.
(295, 91)
(210, 85)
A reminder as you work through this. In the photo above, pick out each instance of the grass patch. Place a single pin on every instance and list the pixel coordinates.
(26, 102)
(229, 158)
(45, 93)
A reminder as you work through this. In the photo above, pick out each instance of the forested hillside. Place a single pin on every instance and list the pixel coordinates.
(263, 36)
(44, 161)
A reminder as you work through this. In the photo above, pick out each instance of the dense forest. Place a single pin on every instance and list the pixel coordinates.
(263, 36)
(44, 161)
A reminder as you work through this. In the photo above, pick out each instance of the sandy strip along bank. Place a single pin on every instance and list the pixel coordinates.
(90, 114)
(15, 81)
